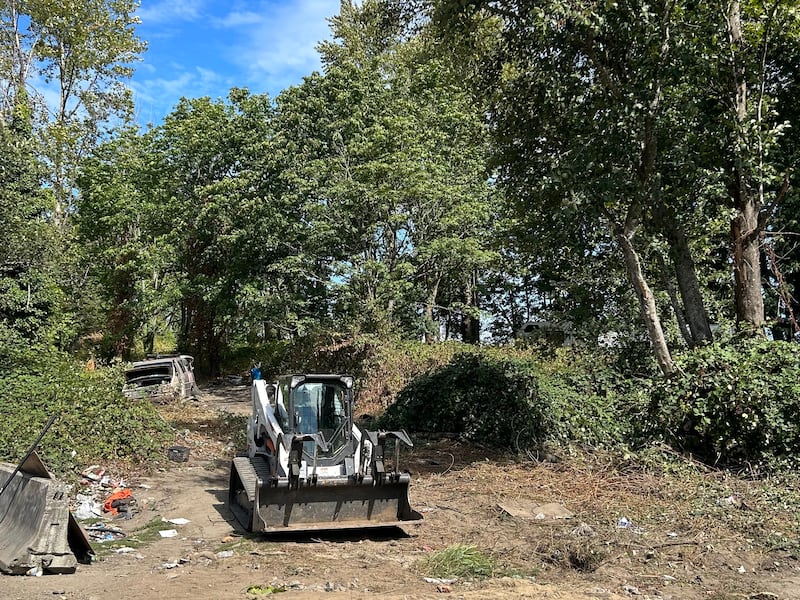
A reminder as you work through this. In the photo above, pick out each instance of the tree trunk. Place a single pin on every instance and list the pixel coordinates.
(431, 327)
(686, 275)
(677, 308)
(745, 227)
(689, 287)
(747, 265)
(647, 305)
(471, 321)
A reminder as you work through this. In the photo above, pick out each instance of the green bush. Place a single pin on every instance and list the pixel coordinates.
(510, 402)
(94, 421)
(733, 405)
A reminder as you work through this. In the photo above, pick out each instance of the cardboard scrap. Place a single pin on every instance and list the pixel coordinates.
(552, 511)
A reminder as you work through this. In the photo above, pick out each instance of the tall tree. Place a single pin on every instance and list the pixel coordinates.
(392, 152)
(189, 232)
(576, 103)
(123, 234)
(81, 51)
(758, 176)
(29, 296)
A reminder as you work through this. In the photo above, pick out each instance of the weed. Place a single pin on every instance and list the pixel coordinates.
(461, 561)
(265, 590)
(96, 423)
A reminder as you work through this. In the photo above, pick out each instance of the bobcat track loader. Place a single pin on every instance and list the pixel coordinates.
(310, 467)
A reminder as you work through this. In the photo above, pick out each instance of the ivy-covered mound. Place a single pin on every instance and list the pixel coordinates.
(511, 402)
(94, 421)
(733, 405)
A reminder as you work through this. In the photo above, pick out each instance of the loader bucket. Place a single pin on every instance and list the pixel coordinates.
(331, 503)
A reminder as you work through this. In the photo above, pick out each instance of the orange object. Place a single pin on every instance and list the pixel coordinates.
(120, 495)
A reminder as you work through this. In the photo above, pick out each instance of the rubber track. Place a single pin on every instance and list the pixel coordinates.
(250, 470)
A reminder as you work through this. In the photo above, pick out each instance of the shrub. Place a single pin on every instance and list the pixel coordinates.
(733, 405)
(507, 402)
(95, 422)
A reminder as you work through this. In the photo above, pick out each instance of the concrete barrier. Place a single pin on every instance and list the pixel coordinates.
(36, 527)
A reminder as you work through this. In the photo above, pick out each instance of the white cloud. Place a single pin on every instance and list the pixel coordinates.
(156, 97)
(239, 19)
(168, 11)
(280, 45)
(204, 47)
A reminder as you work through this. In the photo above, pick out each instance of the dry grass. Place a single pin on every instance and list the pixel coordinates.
(682, 518)
(690, 525)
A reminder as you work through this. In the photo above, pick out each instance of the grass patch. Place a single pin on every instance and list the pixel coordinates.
(464, 562)
(144, 535)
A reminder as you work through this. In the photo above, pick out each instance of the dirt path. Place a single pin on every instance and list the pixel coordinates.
(465, 497)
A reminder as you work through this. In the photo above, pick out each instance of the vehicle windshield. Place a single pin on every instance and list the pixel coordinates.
(149, 375)
(320, 407)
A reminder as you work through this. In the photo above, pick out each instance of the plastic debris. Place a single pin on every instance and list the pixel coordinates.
(104, 533)
(176, 521)
(87, 507)
(625, 523)
(224, 554)
(168, 533)
(94, 473)
(120, 502)
(438, 581)
(178, 453)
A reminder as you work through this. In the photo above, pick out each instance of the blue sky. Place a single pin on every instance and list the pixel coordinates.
(205, 47)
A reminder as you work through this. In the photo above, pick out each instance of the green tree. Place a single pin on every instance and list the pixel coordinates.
(754, 80)
(391, 154)
(123, 233)
(662, 105)
(29, 296)
(577, 103)
(81, 50)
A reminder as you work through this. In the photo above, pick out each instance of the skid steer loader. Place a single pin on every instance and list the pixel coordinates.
(309, 466)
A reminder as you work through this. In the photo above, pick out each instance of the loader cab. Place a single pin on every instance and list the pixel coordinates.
(320, 404)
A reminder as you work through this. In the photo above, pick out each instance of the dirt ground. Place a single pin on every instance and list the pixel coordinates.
(608, 533)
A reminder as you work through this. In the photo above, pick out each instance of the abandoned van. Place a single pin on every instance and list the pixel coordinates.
(161, 378)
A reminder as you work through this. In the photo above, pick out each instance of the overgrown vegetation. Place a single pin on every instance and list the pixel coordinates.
(93, 420)
(511, 402)
(732, 404)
